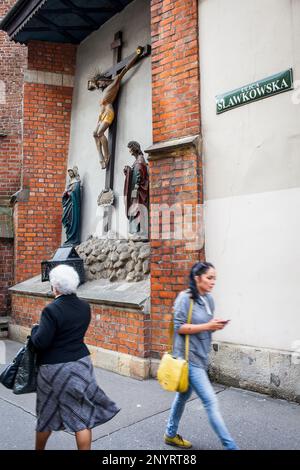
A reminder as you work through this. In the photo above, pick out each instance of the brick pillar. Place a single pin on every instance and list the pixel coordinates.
(13, 60)
(175, 157)
(47, 111)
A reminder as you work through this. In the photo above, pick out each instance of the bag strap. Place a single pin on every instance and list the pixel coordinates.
(187, 337)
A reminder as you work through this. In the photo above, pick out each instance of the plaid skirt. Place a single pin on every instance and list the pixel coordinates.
(68, 398)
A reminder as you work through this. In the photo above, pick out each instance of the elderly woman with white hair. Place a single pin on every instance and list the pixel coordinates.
(68, 397)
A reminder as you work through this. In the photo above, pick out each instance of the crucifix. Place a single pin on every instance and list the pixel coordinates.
(109, 82)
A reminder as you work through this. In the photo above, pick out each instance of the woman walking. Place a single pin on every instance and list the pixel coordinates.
(202, 281)
(68, 397)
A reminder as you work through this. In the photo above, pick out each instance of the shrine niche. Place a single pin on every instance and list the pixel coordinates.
(109, 83)
(109, 59)
(101, 250)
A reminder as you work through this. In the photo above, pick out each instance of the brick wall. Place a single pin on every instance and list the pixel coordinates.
(175, 170)
(52, 57)
(47, 113)
(175, 69)
(13, 59)
(124, 331)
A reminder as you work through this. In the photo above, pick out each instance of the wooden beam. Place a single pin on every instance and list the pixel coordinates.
(80, 12)
(118, 67)
(59, 29)
(87, 10)
(18, 14)
(53, 27)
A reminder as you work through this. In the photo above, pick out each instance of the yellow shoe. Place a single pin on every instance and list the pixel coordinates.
(177, 441)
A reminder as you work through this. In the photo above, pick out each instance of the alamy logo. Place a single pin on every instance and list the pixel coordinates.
(179, 222)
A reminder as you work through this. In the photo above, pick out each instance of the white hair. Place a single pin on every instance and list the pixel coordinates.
(64, 279)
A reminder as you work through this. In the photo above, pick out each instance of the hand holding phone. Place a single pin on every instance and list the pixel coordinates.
(217, 324)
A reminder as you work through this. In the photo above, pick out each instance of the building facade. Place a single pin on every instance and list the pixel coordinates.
(228, 181)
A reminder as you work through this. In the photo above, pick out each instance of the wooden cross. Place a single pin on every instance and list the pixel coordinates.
(112, 132)
(118, 65)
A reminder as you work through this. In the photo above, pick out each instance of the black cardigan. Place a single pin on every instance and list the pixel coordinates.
(59, 336)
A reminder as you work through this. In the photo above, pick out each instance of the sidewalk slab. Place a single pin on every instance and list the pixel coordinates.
(256, 421)
(17, 431)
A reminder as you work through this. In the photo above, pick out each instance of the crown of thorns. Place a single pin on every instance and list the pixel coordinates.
(99, 75)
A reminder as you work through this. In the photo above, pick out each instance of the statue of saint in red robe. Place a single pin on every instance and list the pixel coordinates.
(136, 192)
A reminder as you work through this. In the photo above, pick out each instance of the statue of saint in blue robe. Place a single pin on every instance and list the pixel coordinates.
(71, 202)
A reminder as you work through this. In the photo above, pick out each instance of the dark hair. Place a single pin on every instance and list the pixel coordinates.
(135, 146)
(101, 77)
(197, 270)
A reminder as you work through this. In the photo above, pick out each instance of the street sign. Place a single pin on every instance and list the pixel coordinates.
(258, 90)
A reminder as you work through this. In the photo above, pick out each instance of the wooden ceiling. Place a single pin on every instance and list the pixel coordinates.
(68, 21)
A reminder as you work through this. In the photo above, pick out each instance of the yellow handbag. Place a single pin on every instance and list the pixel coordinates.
(173, 373)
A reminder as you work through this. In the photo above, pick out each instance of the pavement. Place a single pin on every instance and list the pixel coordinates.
(256, 421)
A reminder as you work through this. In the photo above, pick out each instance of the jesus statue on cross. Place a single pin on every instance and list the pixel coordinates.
(110, 87)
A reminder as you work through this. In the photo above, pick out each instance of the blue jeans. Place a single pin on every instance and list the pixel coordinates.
(199, 381)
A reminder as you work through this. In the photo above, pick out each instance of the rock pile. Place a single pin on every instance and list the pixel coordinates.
(116, 260)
